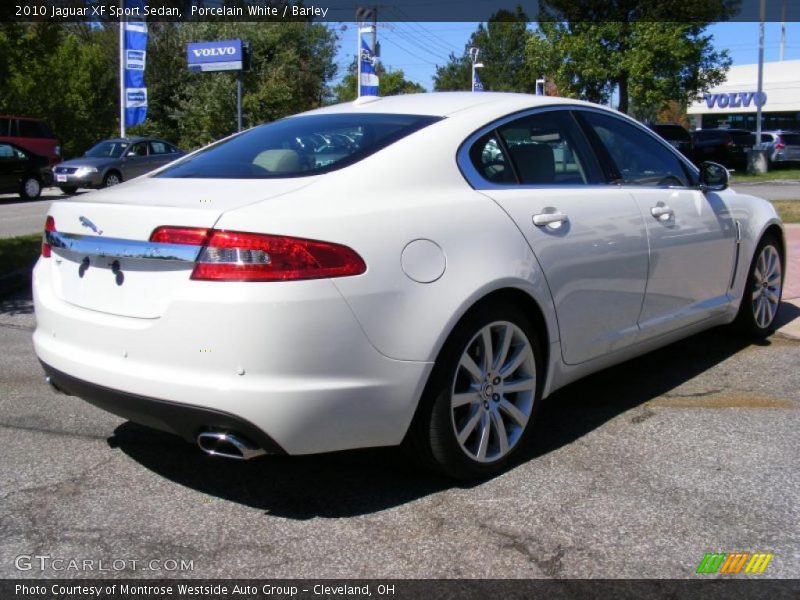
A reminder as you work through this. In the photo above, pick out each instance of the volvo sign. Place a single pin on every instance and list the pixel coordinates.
(226, 55)
(735, 99)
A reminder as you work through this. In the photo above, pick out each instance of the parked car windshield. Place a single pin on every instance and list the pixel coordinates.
(299, 146)
(107, 150)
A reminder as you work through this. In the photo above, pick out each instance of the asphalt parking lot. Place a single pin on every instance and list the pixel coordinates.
(637, 471)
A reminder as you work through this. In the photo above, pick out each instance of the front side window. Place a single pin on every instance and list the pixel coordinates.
(299, 146)
(638, 158)
(139, 149)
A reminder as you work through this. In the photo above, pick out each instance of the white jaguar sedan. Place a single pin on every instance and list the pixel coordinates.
(420, 269)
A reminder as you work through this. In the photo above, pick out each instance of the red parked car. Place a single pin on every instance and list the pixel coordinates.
(31, 134)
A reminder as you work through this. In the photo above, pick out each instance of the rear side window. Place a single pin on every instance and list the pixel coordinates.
(299, 146)
(159, 148)
(5, 126)
(33, 129)
(544, 149)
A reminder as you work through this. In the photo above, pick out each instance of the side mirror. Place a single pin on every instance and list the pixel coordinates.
(713, 177)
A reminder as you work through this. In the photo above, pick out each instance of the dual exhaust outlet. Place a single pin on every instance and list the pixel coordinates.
(214, 443)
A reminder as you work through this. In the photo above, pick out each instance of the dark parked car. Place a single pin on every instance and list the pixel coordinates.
(726, 146)
(22, 171)
(781, 146)
(113, 161)
(33, 135)
(677, 136)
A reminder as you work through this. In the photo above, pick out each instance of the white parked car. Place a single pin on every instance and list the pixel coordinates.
(428, 284)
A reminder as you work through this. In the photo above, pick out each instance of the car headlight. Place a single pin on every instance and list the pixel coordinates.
(84, 171)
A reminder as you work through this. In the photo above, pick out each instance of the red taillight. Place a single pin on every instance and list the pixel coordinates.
(193, 236)
(780, 146)
(239, 256)
(49, 225)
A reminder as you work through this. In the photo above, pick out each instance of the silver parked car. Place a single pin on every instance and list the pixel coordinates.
(781, 146)
(113, 161)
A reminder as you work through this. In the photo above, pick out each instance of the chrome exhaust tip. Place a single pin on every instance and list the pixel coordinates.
(228, 445)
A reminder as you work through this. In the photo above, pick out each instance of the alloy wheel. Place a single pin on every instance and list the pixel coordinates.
(767, 281)
(493, 392)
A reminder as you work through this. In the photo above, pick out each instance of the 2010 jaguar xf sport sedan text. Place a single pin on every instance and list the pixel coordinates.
(420, 269)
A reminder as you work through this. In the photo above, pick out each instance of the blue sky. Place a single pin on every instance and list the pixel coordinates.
(417, 48)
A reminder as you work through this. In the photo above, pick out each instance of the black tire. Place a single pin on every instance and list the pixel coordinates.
(762, 291)
(432, 438)
(30, 188)
(69, 189)
(112, 178)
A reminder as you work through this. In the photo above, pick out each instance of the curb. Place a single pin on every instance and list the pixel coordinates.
(791, 329)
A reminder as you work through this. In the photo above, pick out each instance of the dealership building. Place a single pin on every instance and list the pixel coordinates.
(734, 103)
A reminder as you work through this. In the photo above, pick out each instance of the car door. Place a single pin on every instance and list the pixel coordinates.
(691, 234)
(11, 168)
(160, 154)
(137, 161)
(589, 238)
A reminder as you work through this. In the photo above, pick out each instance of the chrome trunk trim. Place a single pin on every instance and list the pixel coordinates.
(92, 245)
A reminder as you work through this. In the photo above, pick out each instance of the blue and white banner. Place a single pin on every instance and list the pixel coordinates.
(477, 85)
(135, 59)
(369, 78)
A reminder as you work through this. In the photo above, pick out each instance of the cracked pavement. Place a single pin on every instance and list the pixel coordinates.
(637, 471)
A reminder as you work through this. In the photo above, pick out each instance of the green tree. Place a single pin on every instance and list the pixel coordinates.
(62, 73)
(502, 44)
(292, 64)
(390, 83)
(592, 48)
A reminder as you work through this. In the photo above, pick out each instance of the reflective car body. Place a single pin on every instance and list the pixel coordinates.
(781, 146)
(22, 171)
(113, 161)
(725, 146)
(587, 223)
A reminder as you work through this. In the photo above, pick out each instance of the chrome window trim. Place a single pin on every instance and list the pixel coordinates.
(478, 182)
(89, 245)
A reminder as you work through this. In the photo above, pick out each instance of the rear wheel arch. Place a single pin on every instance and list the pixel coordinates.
(499, 299)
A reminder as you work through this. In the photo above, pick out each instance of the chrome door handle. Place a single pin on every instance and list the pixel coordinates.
(661, 212)
(553, 220)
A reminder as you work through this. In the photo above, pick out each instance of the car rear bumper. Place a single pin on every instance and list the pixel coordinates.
(287, 361)
(184, 420)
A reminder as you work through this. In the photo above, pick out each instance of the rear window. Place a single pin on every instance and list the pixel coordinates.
(299, 146)
(792, 139)
(672, 132)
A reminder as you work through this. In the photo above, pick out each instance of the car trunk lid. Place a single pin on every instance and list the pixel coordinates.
(102, 260)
